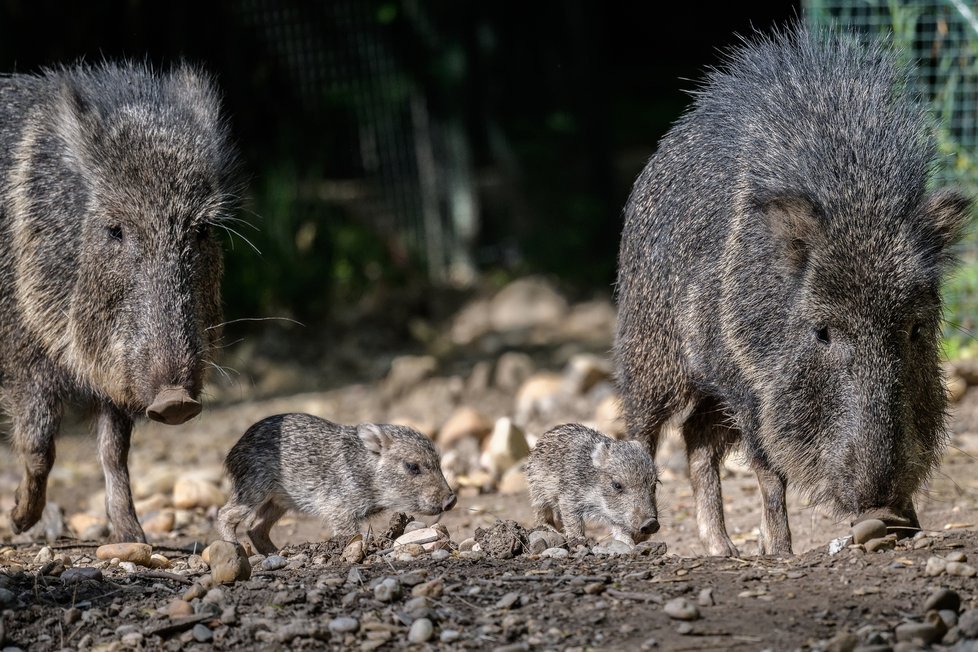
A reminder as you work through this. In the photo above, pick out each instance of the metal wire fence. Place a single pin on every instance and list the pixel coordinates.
(941, 37)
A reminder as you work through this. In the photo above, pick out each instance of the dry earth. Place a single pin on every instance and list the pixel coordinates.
(474, 600)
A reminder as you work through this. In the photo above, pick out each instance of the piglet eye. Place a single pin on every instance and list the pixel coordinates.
(412, 468)
(115, 232)
(616, 485)
(915, 332)
(822, 335)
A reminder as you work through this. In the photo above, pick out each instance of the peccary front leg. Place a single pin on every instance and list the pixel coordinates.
(706, 444)
(37, 418)
(229, 517)
(775, 532)
(114, 432)
(573, 520)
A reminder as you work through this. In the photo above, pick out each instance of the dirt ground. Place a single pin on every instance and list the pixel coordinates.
(583, 600)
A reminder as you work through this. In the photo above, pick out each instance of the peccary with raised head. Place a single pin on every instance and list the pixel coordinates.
(342, 474)
(111, 180)
(577, 475)
(779, 283)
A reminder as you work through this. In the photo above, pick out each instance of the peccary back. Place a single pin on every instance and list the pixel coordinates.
(112, 178)
(779, 282)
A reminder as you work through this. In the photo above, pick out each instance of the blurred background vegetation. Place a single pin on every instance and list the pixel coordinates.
(400, 146)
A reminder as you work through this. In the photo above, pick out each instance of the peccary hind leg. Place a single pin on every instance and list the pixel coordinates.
(229, 517)
(775, 533)
(707, 440)
(36, 422)
(114, 431)
(268, 514)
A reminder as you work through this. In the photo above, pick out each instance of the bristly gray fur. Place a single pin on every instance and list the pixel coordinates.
(342, 474)
(111, 177)
(779, 282)
(576, 475)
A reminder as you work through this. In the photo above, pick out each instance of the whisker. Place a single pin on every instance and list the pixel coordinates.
(235, 321)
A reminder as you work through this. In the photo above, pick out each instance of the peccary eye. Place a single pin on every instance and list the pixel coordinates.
(202, 233)
(822, 335)
(616, 485)
(115, 232)
(412, 468)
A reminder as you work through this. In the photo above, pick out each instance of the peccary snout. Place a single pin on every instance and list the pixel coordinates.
(650, 526)
(449, 503)
(173, 406)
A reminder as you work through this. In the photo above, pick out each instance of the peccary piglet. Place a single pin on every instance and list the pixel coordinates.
(576, 475)
(779, 283)
(343, 474)
(113, 181)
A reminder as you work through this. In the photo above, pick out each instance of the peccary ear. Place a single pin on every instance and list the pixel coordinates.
(795, 225)
(78, 120)
(373, 437)
(948, 212)
(600, 455)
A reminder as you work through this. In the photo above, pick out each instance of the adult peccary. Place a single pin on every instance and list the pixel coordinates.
(575, 474)
(779, 283)
(112, 178)
(343, 474)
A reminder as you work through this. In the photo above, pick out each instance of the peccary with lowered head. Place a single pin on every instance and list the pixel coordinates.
(576, 475)
(343, 474)
(779, 283)
(112, 178)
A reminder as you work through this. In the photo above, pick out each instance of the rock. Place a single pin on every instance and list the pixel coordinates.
(923, 542)
(867, 530)
(943, 599)
(178, 608)
(538, 396)
(274, 563)
(613, 547)
(215, 596)
(414, 525)
(968, 623)
(508, 600)
(956, 555)
(961, 569)
(161, 522)
(44, 555)
(842, 642)
(344, 625)
(681, 609)
(406, 372)
(440, 554)
(926, 633)
(81, 574)
(229, 615)
(526, 303)
(705, 598)
(880, 545)
(159, 561)
(950, 617)
(202, 633)
(540, 540)
(583, 372)
(196, 590)
(228, 562)
(7, 599)
(127, 566)
(82, 522)
(466, 544)
(608, 417)
(192, 491)
(424, 537)
(355, 551)
(464, 422)
(590, 321)
(935, 566)
(555, 553)
(513, 480)
(137, 553)
(505, 447)
(512, 368)
(504, 540)
(421, 631)
(132, 639)
(431, 589)
(388, 590)
(151, 504)
(449, 635)
(956, 387)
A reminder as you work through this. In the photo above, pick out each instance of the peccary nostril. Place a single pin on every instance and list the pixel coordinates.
(173, 406)
(650, 526)
(449, 503)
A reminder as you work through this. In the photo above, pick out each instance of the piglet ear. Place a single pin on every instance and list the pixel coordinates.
(948, 212)
(796, 226)
(600, 455)
(373, 437)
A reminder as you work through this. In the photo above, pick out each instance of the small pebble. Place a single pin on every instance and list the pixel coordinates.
(81, 574)
(466, 545)
(229, 616)
(441, 554)
(956, 555)
(127, 566)
(215, 596)
(388, 590)
(922, 542)
(202, 633)
(421, 631)
(960, 569)
(924, 632)
(7, 598)
(555, 553)
(414, 525)
(354, 552)
(344, 624)
(880, 545)
(132, 639)
(274, 563)
(968, 623)
(949, 617)
(44, 555)
(681, 609)
(942, 599)
(935, 566)
(684, 628)
(71, 616)
(705, 598)
(178, 608)
(449, 635)
(868, 530)
(508, 600)
(138, 553)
